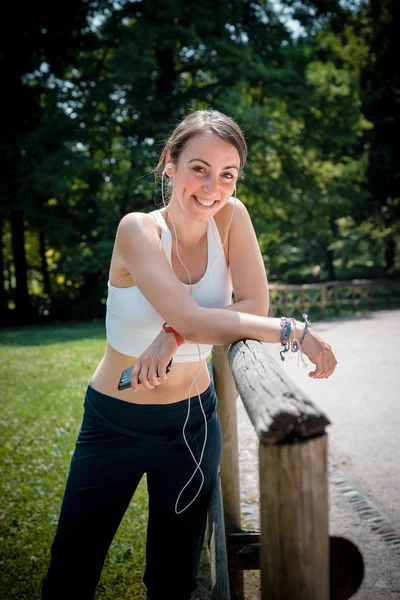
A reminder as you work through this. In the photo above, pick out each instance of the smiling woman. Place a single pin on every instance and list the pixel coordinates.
(172, 275)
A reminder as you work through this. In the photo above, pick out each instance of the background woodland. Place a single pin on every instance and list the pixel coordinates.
(92, 88)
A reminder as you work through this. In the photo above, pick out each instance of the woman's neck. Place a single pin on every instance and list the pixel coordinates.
(190, 234)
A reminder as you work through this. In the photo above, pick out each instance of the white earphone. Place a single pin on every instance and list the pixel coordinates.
(198, 463)
(167, 167)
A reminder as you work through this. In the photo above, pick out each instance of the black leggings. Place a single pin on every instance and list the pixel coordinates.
(118, 443)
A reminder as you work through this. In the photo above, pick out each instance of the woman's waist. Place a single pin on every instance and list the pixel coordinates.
(178, 385)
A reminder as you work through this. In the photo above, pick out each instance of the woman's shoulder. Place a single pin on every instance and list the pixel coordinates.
(138, 223)
(138, 218)
(223, 217)
(136, 230)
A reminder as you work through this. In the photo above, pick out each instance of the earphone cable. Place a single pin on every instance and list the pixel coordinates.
(198, 349)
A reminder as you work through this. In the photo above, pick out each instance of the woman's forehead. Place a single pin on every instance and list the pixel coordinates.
(211, 148)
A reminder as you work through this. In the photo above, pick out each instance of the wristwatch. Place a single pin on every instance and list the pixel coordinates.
(178, 337)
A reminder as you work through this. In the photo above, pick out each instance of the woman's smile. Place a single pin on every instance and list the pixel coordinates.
(204, 203)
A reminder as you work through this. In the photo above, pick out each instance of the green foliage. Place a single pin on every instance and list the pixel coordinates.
(97, 110)
(380, 82)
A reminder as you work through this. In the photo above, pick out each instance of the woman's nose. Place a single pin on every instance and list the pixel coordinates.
(211, 184)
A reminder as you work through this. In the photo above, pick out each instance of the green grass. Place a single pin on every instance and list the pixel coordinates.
(44, 373)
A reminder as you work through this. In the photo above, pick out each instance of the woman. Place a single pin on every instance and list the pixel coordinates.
(170, 287)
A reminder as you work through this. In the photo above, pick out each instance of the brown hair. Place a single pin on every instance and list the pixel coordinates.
(196, 123)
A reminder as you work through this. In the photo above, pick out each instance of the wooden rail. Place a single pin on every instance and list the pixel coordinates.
(339, 295)
(292, 549)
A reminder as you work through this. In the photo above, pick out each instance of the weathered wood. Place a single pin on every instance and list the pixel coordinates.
(244, 550)
(229, 467)
(217, 546)
(294, 552)
(323, 302)
(277, 408)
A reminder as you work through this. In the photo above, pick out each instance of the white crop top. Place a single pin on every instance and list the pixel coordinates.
(131, 321)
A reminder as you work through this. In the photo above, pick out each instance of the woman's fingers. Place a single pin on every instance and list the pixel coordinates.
(325, 364)
(152, 376)
(149, 375)
(146, 378)
(135, 376)
(149, 372)
(162, 369)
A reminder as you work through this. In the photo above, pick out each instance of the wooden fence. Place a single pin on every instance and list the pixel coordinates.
(292, 550)
(340, 296)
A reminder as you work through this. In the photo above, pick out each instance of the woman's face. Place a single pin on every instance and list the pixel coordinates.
(205, 175)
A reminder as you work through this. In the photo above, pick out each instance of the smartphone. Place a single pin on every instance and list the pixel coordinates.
(125, 379)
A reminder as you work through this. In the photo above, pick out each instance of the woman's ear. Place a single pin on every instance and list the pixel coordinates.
(168, 169)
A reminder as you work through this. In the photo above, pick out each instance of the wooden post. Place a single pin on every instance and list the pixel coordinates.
(230, 478)
(294, 551)
(293, 476)
(302, 302)
(323, 302)
(371, 297)
(284, 300)
(336, 300)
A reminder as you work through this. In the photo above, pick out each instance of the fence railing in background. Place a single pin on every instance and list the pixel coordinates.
(340, 296)
(293, 549)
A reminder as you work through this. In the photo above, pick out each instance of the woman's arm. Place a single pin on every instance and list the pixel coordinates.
(140, 248)
(220, 326)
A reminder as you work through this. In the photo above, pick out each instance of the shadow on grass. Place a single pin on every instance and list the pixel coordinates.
(41, 335)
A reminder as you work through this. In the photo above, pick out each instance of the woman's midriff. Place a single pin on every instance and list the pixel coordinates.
(174, 389)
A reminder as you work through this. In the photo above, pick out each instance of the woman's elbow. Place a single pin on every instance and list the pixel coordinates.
(190, 328)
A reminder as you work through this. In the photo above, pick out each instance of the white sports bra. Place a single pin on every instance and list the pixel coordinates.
(131, 321)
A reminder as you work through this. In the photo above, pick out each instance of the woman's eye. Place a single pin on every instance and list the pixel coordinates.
(198, 169)
(228, 175)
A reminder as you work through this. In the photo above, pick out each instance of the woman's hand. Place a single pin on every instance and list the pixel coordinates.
(320, 353)
(152, 364)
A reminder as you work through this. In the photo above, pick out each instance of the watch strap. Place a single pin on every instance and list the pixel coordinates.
(179, 339)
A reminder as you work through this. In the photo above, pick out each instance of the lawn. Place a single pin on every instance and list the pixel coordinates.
(44, 373)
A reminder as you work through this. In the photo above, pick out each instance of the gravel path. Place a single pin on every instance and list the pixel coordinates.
(362, 401)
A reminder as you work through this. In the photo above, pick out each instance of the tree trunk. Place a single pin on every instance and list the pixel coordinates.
(45, 270)
(390, 253)
(330, 255)
(3, 295)
(18, 245)
(329, 265)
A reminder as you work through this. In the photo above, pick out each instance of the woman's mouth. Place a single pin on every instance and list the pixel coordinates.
(204, 203)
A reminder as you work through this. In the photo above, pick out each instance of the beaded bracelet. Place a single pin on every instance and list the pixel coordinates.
(286, 325)
(285, 330)
(289, 341)
(307, 322)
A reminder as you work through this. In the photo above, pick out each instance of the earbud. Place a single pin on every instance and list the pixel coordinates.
(167, 167)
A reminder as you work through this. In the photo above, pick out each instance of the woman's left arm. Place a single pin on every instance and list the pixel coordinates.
(249, 279)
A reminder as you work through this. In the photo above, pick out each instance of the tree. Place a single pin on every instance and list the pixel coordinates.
(381, 104)
(38, 43)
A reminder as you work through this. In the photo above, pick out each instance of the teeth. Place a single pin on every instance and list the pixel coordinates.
(204, 202)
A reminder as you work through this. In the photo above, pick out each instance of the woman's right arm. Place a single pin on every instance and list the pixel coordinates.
(140, 248)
